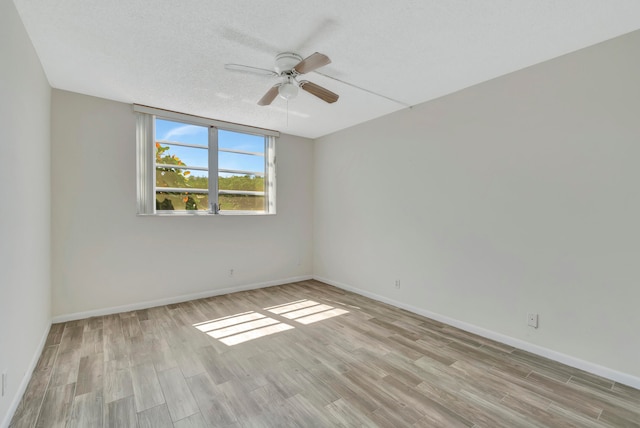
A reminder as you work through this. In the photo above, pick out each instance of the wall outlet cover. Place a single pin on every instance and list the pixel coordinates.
(532, 320)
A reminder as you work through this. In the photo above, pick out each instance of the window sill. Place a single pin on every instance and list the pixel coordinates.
(206, 214)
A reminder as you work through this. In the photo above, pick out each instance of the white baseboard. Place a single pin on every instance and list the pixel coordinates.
(177, 299)
(569, 360)
(25, 380)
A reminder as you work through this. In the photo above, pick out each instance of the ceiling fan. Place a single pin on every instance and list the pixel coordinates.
(288, 66)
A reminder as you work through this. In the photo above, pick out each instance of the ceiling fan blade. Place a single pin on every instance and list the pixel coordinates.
(312, 62)
(249, 69)
(269, 96)
(319, 91)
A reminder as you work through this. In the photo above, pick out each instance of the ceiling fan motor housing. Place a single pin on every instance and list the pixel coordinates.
(286, 61)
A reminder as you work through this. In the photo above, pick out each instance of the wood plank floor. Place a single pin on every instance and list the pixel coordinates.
(303, 355)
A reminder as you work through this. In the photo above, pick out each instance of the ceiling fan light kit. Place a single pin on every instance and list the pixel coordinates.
(288, 66)
(288, 89)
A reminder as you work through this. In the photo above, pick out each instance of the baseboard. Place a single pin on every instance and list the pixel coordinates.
(25, 380)
(177, 299)
(617, 376)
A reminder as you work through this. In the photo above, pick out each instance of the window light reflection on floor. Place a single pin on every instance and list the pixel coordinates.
(280, 309)
(306, 311)
(245, 326)
(228, 321)
(321, 316)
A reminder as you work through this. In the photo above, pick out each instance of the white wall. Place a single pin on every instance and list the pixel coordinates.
(104, 256)
(25, 250)
(521, 194)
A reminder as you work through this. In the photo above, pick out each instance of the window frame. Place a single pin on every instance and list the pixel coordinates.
(146, 167)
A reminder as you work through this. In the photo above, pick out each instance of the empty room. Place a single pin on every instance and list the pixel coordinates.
(305, 214)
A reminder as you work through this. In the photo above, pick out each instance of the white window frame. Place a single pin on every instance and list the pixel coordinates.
(145, 152)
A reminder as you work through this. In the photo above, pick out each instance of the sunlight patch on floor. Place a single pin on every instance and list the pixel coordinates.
(245, 326)
(321, 316)
(228, 321)
(306, 311)
(242, 327)
(254, 334)
(287, 307)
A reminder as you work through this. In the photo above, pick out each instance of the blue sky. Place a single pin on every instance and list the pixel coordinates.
(194, 134)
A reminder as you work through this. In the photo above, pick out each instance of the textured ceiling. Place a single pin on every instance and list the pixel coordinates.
(171, 54)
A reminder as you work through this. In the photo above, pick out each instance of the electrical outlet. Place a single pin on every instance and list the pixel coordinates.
(532, 320)
(397, 283)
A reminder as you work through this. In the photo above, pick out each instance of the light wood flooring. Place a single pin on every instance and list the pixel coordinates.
(303, 355)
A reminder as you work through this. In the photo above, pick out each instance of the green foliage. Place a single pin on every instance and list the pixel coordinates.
(241, 202)
(181, 201)
(165, 205)
(180, 178)
(241, 182)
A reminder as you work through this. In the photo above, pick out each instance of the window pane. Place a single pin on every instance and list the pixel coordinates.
(241, 164)
(169, 151)
(169, 201)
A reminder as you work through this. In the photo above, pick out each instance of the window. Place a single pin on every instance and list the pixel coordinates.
(192, 165)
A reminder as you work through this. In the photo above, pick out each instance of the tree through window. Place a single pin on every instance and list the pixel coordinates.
(203, 169)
